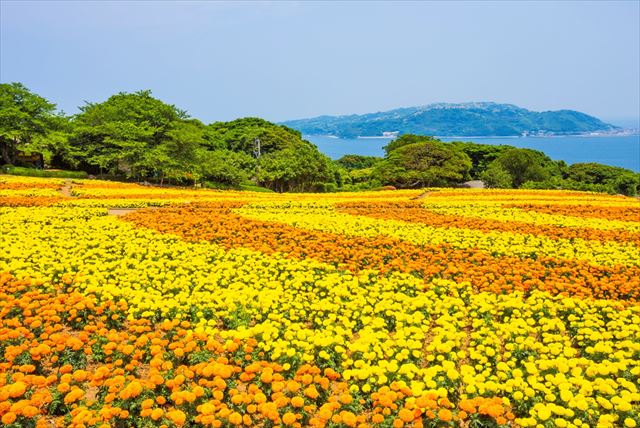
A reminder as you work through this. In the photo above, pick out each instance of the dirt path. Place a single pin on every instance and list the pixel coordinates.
(121, 211)
(66, 189)
(421, 196)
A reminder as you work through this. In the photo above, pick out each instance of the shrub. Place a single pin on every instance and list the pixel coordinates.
(31, 172)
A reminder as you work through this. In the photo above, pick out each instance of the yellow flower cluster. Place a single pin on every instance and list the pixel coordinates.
(554, 360)
(325, 218)
(493, 212)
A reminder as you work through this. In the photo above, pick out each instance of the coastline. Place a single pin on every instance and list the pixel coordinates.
(618, 150)
(493, 137)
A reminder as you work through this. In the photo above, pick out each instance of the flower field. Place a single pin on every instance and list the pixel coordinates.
(446, 308)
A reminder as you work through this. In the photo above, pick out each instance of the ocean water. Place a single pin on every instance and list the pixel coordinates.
(623, 151)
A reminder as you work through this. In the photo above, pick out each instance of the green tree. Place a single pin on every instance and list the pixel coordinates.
(26, 120)
(406, 139)
(627, 184)
(481, 155)
(299, 168)
(177, 156)
(351, 162)
(428, 163)
(239, 135)
(598, 177)
(118, 134)
(226, 167)
(593, 173)
(523, 165)
(495, 175)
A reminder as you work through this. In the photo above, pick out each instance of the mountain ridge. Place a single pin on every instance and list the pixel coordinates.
(480, 118)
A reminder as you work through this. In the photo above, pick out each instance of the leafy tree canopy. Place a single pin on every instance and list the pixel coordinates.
(611, 178)
(26, 119)
(407, 139)
(521, 165)
(295, 168)
(422, 164)
(594, 173)
(145, 138)
(481, 155)
(135, 133)
(351, 162)
(239, 135)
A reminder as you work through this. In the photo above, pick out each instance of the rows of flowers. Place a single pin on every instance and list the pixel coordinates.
(327, 218)
(488, 219)
(241, 310)
(485, 272)
(621, 213)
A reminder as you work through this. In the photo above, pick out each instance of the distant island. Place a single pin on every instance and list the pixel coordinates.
(476, 119)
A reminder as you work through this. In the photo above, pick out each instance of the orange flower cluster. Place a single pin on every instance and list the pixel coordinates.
(29, 201)
(512, 194)
(147, 196)
(216, 223)
(27, 185)
(68, 360)
(609, 213)
(416, 212)
(430, 407)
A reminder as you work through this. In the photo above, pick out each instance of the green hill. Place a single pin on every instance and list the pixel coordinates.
(464, 120)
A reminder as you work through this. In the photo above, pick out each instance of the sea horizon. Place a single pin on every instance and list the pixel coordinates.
(621, 151)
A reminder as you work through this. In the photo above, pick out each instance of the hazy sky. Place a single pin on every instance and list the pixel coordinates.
(287, 60)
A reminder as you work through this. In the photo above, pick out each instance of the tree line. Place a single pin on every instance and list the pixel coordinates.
(413, 161)
(139, 137)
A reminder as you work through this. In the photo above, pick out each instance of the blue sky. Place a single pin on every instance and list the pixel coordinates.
(287, 60)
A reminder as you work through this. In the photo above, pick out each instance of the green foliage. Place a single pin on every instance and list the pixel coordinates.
(424, 164)
(351, 162)
(133, 133)
(225, 166)
(287, 162)
(495, 175)
(627, 184)
(239, 135)
(142, 137)
(294, 169)
(481, 155)
(610, 179)
(594, 173)
(31, 172)
(254, 188)
(592, 177)
(176, 157)
(26, 120)
(520, 165)
(407, 139)
(137, 135)
(469, 119)
(361, 175)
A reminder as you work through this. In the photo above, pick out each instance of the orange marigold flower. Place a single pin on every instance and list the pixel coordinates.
(157, 414)
(17, 389)
(235, 418)
(177, 417)
(297, 401)
(289, 418)
(445, 415)
(311, 392)
(406, 415)
(30, 411)
(8, 418)
(74, 395)
(349, 419)
(377, 418)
